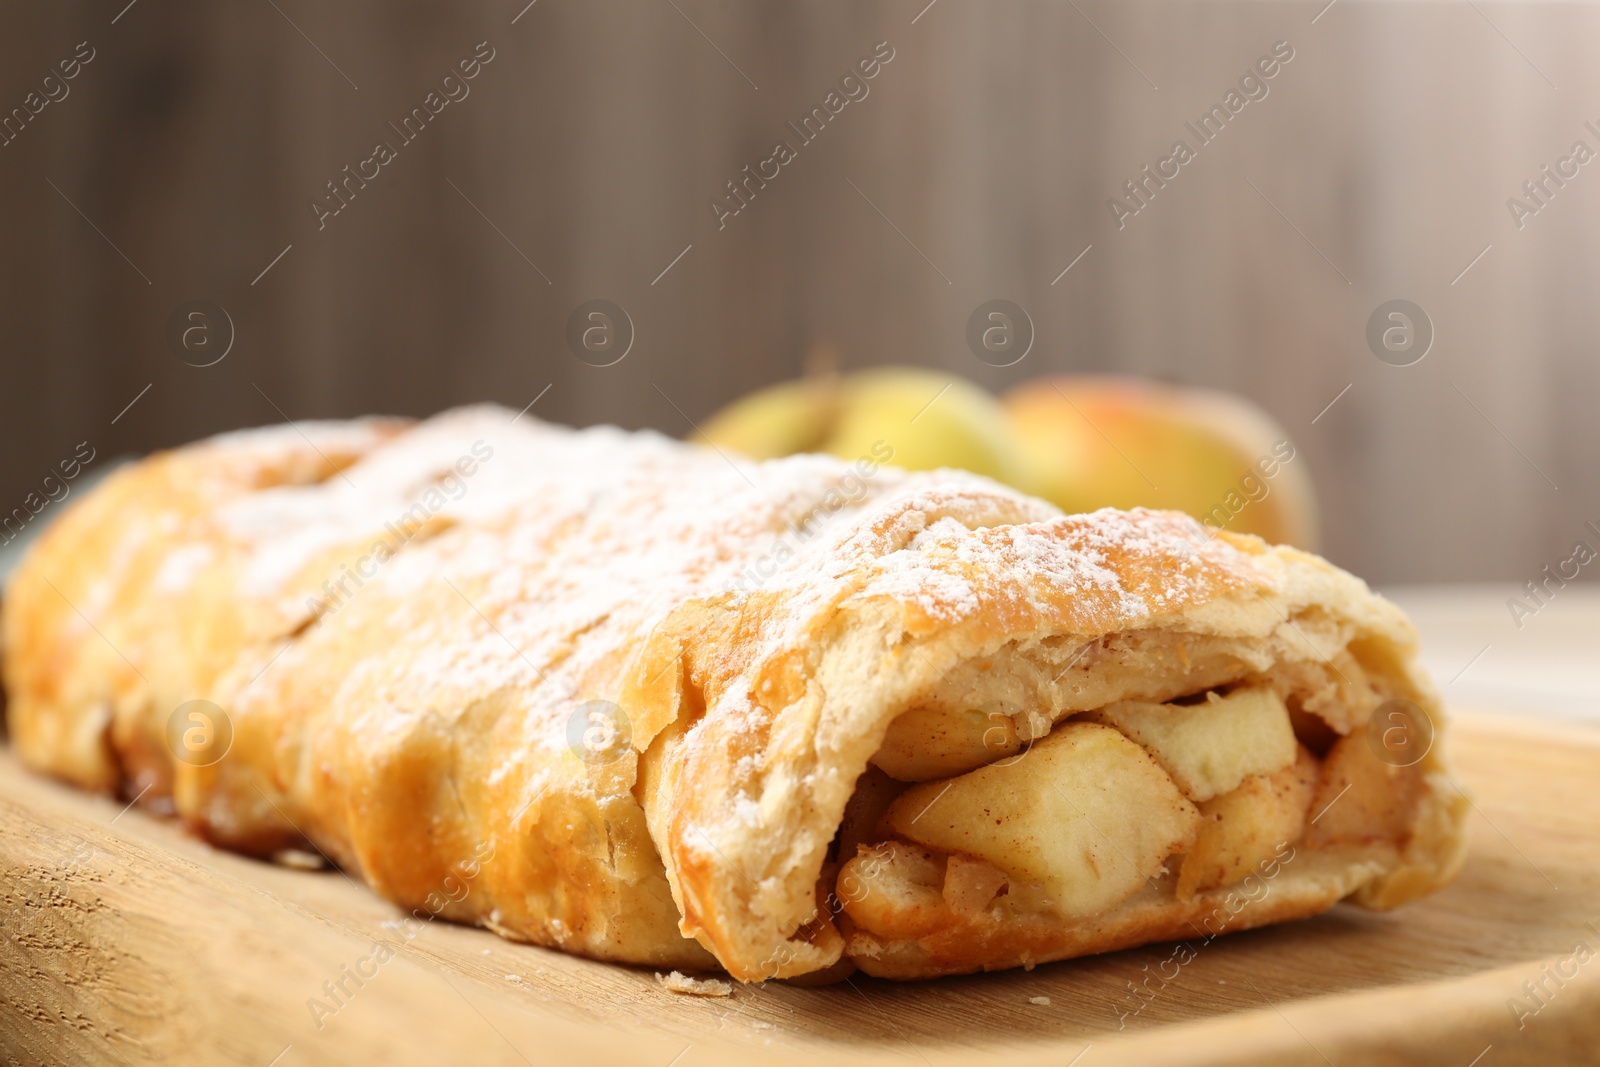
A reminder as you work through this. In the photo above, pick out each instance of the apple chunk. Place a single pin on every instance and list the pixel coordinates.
(1363, 800)
(893, 890)
(1209, 748)
(1240, 829)
(1085, 813)
(925, 743)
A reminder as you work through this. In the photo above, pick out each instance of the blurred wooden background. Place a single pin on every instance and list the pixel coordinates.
(1377, 167)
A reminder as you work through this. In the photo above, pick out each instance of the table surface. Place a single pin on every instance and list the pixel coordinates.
(125, 941)
(129, 942)
(1480, 657)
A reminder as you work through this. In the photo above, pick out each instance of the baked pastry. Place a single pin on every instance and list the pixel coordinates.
(641, 701)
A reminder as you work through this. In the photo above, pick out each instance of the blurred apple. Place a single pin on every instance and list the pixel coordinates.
(1117, 442)
(929, 418)
(780, 420)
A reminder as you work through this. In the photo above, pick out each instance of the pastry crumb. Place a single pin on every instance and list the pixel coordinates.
(1043, 1002)
(298, 859)
(678, 982)
(513, 977)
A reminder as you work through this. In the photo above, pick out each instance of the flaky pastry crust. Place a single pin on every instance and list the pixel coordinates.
(748, 634)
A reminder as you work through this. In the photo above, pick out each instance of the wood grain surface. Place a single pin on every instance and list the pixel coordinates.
(127, 942)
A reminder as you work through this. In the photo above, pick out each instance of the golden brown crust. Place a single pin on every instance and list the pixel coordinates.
(759, 784)
(759, 628)
(90, 645)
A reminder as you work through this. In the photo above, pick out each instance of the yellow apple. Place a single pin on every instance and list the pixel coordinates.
(778, 421)
(910, 417)
(1119, 442)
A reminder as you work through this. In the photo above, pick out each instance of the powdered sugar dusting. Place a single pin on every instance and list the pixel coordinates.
(524, 555)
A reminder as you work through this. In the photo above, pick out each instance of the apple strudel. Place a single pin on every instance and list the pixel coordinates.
(643, 702)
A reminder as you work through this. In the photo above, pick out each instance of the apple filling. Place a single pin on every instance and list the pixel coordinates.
(1174, 800)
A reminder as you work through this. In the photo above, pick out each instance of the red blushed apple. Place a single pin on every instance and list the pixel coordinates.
(1120, 442)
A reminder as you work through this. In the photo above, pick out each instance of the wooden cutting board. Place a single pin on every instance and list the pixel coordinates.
(125, 941)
